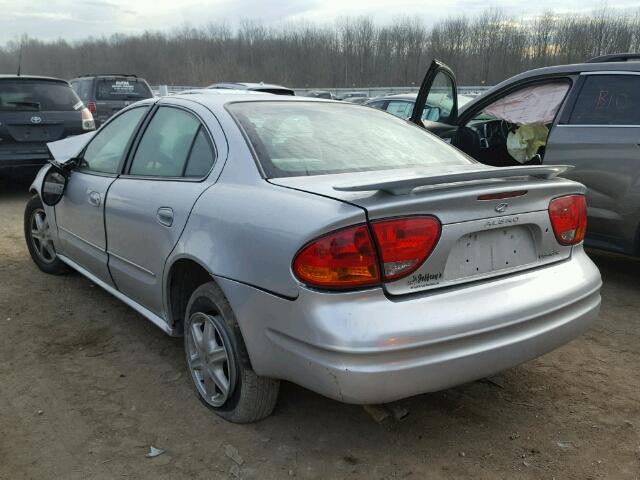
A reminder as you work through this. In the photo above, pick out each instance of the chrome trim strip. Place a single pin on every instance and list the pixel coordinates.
(148, 314)
(129, 262)
(81, 239)
(598, 126)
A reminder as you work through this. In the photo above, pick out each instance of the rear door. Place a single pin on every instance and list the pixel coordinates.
(148, 207)
(34, 112)
(438, 90)
(599, 133)
(80, 213)
(112, 94)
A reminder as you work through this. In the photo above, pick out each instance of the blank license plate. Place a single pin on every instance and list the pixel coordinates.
(479, 253)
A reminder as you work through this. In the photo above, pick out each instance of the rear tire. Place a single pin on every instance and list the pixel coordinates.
(37, 233)
(218, 361)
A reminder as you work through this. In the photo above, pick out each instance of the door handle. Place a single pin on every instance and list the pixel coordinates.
(165, 216)
(94, 199)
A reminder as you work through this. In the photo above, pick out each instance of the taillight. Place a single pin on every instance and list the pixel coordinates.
(342, 259)
(87, 120)
(405, 243)
(92, 107)
(569, 218)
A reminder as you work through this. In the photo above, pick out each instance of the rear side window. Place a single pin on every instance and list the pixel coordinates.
(121, 89)
(400, 109)
(608, 100)
(173, 145)
(34, 96)
(83, 88)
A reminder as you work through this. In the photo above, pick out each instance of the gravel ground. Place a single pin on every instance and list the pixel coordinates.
(87, 385)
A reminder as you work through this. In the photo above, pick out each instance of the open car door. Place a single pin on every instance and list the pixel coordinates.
(436, 107)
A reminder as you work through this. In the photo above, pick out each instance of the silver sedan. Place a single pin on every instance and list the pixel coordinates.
(319, 242)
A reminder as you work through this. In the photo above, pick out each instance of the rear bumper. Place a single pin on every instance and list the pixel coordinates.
(21, 163)
(362, 347)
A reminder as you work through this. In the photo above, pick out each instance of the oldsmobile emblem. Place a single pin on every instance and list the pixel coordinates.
(501, 207)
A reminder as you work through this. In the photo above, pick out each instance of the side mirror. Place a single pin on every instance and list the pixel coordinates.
(54, 185)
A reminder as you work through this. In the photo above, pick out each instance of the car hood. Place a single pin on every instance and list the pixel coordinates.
(69, 148)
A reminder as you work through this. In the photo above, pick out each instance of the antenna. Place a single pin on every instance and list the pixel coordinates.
(20, 56)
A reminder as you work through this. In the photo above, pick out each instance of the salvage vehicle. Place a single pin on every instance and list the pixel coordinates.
(586, 115)
(33, 111)
(315, 241)
(106, 94)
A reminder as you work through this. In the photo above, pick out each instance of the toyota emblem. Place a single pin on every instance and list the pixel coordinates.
(36, 120)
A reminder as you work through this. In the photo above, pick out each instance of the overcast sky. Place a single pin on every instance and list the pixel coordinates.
(76, 19)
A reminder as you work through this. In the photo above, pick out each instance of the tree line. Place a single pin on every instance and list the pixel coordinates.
(351, 52)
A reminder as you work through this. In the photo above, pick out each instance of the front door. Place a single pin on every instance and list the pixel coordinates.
(80, 213)
(436, 107)
(599, 133)
(148, 207)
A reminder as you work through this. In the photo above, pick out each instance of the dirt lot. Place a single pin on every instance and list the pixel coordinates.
(87, 385)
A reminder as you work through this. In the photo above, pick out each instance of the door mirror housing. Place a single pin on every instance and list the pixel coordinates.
(54, 185)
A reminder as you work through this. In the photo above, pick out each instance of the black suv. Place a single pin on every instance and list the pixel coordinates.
(34, 111)
(106, 94)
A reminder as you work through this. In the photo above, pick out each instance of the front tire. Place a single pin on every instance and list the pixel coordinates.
(38, 234)
(218, 361)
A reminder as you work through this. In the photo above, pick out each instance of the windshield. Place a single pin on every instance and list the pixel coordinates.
(122, 89)
(34, 96)
(307, 138)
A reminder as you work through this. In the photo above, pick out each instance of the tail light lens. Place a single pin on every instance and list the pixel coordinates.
(87, 120)
(342, 259)
(405, 243)
(92, 107)
(569, 218)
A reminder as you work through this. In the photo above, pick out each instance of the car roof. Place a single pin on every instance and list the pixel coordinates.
(398, 96)
(218, 101)
(249, 85)
(556, 71)
(219, 91)
(31, 77)
(107, 75)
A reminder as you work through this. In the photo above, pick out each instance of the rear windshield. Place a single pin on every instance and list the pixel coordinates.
(34, 96)
(121, 89)
(307, 138)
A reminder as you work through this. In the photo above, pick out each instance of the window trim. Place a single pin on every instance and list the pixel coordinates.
(127, 147)
(582, 78)
(126, 168)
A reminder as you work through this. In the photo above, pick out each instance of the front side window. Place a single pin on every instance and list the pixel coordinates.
(107, 148)
(608, 100)
(308, 138)
(173, 137)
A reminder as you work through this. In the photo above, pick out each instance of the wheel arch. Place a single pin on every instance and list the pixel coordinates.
(184, 275)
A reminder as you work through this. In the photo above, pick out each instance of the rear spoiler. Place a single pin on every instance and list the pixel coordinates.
(404, 186)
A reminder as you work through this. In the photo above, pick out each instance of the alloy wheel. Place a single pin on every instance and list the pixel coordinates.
(40, 232)
(211, 364)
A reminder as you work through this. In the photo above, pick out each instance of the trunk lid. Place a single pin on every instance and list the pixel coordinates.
(480, 238)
